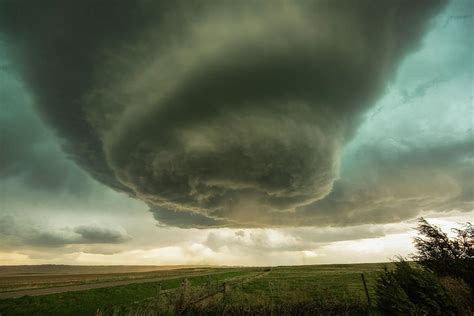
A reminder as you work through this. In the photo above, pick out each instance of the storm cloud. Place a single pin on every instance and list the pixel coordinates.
(227, 113)
(29, 153)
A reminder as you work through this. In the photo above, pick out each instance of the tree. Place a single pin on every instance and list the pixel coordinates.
(443, 255)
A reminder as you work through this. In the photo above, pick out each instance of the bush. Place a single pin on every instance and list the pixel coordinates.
(409, 290)
(460, 294)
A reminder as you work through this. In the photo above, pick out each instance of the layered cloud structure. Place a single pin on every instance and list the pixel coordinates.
(231, 114)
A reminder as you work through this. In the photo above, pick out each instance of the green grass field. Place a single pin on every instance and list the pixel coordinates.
(248, 287)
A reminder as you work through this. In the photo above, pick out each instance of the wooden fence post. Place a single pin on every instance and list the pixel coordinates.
(270, 286)
(224, 288)
(182, 301)
(366, 290)
(158, 293)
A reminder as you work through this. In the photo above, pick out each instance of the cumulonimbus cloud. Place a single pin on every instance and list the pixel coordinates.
(216, 113)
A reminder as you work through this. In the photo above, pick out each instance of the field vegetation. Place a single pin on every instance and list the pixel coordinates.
(56, 276)
(246, 288)
(89, 301)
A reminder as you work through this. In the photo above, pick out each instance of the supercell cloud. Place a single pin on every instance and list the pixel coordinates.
(224, 113)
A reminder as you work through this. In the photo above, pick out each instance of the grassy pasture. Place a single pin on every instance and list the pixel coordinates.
(327, 285)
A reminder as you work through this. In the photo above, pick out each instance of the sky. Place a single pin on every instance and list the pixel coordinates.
(232, 133)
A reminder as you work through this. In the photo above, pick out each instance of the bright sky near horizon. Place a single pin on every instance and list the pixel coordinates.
(267, 179)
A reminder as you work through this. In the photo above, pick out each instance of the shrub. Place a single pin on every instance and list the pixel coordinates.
(460, 294)
(391, 298)
(410, 290)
